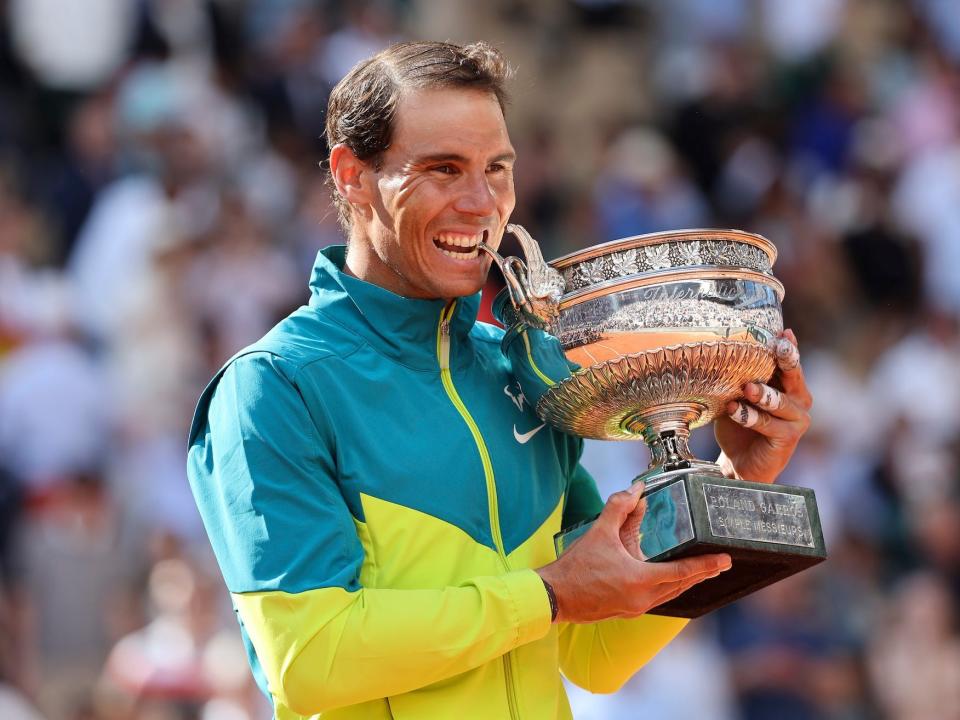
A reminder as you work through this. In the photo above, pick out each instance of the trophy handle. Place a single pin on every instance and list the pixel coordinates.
(535, 288)
(515, 274)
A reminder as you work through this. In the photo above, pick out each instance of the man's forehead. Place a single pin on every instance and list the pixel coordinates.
(449, 122)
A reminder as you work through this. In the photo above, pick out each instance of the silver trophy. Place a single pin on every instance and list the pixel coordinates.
(644, 338)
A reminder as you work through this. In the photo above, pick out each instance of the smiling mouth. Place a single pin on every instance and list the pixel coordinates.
(460, 246)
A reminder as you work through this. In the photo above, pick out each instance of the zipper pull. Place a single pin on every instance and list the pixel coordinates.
(445, 316)
(443, 344)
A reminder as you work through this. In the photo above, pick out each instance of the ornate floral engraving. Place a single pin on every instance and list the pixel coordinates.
(726, 253)
(689, 252)
(625, 263)
(659, 256)
(576, 276)
(594, 271)
(676, 254)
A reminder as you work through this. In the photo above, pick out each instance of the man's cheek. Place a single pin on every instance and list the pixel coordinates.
(409, 188)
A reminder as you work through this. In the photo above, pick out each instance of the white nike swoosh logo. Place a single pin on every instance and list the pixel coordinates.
(524, 438)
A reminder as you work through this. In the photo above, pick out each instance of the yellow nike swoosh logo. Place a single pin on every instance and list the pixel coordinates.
(523, 438)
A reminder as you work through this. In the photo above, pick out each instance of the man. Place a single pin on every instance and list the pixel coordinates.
(373, 487)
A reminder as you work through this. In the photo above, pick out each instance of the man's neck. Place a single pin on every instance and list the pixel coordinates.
(362, 263)
(347, 270)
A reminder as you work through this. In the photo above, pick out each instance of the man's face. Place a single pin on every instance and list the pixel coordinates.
(445, 185)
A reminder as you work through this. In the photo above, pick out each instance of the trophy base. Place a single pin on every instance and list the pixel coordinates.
(769, 531)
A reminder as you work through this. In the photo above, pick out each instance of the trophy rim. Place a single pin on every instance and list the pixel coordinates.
(657, 238)
(657, 277)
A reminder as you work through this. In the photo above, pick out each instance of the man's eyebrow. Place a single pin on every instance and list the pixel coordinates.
(456, 157)
(510, 156)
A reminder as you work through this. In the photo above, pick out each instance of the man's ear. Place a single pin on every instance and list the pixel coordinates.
(352, 177)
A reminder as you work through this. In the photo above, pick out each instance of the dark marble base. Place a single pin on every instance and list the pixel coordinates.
(770, 532)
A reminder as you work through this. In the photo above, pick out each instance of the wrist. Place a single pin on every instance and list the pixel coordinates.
(552, 597)
(549, 578)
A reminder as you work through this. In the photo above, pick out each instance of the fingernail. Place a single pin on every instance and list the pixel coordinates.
(726, 564)
(636, 488)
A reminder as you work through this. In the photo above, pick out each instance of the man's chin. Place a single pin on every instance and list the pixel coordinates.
(453, 293)
(466, 285)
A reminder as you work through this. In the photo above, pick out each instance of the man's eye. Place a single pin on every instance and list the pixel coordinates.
(497, 167)
(444, 169)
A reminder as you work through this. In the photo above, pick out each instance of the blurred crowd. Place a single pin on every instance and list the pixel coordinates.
(161, 205)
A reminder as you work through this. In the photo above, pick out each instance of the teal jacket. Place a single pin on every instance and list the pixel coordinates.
(377, 492)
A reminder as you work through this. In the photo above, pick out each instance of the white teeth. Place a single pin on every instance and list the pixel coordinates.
(470, 255)
(458, 240)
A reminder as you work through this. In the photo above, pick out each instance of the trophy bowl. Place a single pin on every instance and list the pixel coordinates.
(644, 338)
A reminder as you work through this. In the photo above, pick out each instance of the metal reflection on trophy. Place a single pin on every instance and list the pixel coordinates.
(645, 338)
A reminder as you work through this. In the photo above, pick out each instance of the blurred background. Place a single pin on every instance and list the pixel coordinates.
(161, 206)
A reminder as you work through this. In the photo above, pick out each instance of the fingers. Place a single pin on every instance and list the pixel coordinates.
(772, 412)
(620, 505)
(765, 423)
(787, 354)
(773, 401)
(767, 398)
(744, 414)
(675, 590)
(691, 569)
(789, 369)
(678, 576)
(630, 533)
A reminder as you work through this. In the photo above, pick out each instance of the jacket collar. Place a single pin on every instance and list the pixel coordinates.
(403, 329)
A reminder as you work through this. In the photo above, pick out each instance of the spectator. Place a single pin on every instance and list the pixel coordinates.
(914, 660)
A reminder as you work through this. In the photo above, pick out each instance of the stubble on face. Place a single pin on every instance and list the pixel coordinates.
(444, 184)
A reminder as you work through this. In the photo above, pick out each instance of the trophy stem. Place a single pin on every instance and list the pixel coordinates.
(666, 431)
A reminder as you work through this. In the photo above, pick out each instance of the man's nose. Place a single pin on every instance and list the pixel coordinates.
(476, 196)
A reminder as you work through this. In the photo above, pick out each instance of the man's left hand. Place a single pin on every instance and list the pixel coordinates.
(762, 430)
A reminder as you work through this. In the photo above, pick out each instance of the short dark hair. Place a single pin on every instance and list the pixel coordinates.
(362, 106)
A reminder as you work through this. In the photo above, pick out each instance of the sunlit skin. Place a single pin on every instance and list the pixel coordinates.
(448, 173)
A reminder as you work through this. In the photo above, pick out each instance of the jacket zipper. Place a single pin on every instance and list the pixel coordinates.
(443, 358)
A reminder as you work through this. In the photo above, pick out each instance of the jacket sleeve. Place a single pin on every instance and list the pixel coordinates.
(601, 657)
(262, 468)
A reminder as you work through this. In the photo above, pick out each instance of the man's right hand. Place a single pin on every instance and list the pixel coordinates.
(598, 577)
